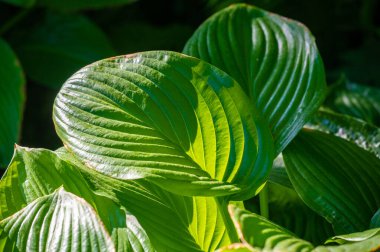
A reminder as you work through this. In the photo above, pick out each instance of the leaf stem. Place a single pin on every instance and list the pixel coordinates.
(222, 203)
(14, 20)
(263, 195)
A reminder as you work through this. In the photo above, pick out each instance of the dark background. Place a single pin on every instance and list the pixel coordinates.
(347, 34)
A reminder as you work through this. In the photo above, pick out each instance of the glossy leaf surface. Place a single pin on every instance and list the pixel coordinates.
(61, 44)
(352, 129)
(166, 117)
(47, 224)
(169, 221)
(273, 58)
(335, 178)
(11, 102)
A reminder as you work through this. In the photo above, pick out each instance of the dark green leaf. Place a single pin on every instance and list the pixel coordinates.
(62, 44)
(172, 119)
(76, 5)
(11, 102)
(375, 220)
(354, 130)
(273, 58)
(335, 178)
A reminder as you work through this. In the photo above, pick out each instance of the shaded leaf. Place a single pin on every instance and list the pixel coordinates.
(12, 83)
(47, 224)
(166, 117)
(62, 44)
(273, 58)
(21, 3)
(375, 220)
(335, 178)
(76, 5)
(354, 130)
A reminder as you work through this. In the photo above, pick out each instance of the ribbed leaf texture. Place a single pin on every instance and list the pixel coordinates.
(166, 117)
(335, 178)
(260, 234)
(57, 222)
(139, 216)
(352, 129)
(273, 58)
(11, 102)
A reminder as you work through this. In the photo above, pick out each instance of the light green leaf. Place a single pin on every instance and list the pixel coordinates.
(48, 224)
(12, 83)
(237, 247)
(261, 233)
(264, 235)
(352, 129)
(34, 173)
(335, 178)
(168, 118)
(59, 46)
(171, 222)
(77, 5)
(375, 220)
(273, 58)
(356, 100)
(21, 3)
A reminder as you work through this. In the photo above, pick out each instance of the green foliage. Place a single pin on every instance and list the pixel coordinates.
(162, 151)
(11, 101)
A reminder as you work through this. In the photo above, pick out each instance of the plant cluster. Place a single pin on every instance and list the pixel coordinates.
(235, 144)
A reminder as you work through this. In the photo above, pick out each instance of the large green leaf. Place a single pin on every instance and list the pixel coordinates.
(263, 235)
(53, 50)
(11, 102)
(57, 222)
(76, 5)
(170, 221)
(35, 173)
(356, 100)
(352, 129)
(336, 178)
(273, 58)
(166, 117)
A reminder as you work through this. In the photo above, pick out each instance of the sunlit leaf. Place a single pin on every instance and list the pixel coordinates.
(166, 117)
(335, 178)
(11, 102)
(273, 58)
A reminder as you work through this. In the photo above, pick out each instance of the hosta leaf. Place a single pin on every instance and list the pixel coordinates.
(172, 222)
(76, 5)
(11, 101)
(273, 58)
(288, 210)
(352, 129)
(278, 173)
(261, 233)
(335, 178)
(356, 100)
(166, 117)
(48, 224)
(264, 235)
(60, 45)
(34, 173)
(237, 247)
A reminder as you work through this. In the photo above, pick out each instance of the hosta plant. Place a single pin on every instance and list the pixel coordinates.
(165, 151)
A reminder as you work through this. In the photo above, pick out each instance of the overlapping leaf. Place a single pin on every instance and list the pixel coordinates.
(11, 102)
(260, 234)
(335, 178)
(57, 222)
(273, 58)
(172, 119)
(169, 221)
(352, 129)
